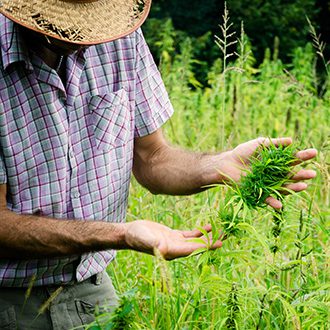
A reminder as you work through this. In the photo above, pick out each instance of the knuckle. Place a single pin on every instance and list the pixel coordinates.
(261, 139)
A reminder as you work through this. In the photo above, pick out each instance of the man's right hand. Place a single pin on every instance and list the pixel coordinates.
(146, 236)
(30, 236)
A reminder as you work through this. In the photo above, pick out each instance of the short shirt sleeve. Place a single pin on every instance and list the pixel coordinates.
(152, 105)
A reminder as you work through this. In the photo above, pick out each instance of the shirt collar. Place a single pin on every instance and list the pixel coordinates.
(13, 47)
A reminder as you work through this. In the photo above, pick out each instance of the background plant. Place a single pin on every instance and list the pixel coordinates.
(264, 21)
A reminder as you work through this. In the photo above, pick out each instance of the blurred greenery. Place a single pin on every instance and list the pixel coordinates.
(264, 23)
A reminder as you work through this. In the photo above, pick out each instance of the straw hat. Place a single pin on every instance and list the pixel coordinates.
(82, 22)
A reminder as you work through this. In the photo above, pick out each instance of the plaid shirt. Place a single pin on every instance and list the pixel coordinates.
(66, 151)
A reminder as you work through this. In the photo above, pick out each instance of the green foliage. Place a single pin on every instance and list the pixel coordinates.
(268, 19)
(121, 318)
(268, 172)
(232, 308)
(264, 20)
(229, 220)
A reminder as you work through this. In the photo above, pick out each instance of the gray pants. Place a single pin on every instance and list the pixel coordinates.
(72, 305)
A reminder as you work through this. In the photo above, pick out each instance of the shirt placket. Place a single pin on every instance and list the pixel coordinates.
(75, 67)
(73, 190)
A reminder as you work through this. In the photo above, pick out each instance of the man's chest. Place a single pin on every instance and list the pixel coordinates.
(74, 140)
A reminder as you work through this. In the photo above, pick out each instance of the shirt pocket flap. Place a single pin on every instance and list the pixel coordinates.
(110, 119)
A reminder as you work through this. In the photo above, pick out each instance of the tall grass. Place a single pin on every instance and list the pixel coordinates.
(246, 284)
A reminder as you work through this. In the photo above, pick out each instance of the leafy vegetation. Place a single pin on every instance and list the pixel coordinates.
(268, 174)
(273, 270)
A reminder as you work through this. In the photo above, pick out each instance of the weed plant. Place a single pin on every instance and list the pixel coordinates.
(269, 172)
(232, 308)
(229, 222)
(122, 318)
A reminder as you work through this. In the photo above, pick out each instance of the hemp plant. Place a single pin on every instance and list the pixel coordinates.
(269, 172)
(230, 219)
(233, 308)
(224, 42)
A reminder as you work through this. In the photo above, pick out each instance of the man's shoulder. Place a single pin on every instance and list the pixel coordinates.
(131, 41)
(6, 30)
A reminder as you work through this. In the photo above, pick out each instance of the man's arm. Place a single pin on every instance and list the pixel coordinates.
(29, 236)
(165, 169)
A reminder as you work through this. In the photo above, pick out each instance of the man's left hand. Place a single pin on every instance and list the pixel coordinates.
(234, 163)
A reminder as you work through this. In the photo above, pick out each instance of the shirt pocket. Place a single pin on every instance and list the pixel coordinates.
(8, 319)
(86, 311)
(111, 119)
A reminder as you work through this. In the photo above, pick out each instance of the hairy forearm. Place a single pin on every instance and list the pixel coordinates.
(28, 236)
(175, 171)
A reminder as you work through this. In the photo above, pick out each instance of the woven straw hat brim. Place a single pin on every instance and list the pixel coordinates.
(78, 21)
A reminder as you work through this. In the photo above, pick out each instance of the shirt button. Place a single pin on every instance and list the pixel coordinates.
(75, 194)
(71, 153)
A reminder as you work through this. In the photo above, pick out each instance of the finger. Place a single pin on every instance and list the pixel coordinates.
(184, 249)
(216, 245)
(195, 232)
(305, 155)
(292, 188)
(219, 236)
(303, 175)
(274, 203)
(295, 187)
(284, 141)
(208, 241)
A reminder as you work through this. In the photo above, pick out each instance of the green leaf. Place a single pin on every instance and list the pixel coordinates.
(198, 251)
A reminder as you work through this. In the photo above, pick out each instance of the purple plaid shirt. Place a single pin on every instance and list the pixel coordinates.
(66, 151)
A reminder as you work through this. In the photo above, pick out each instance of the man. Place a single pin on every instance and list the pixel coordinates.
(81, 105)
